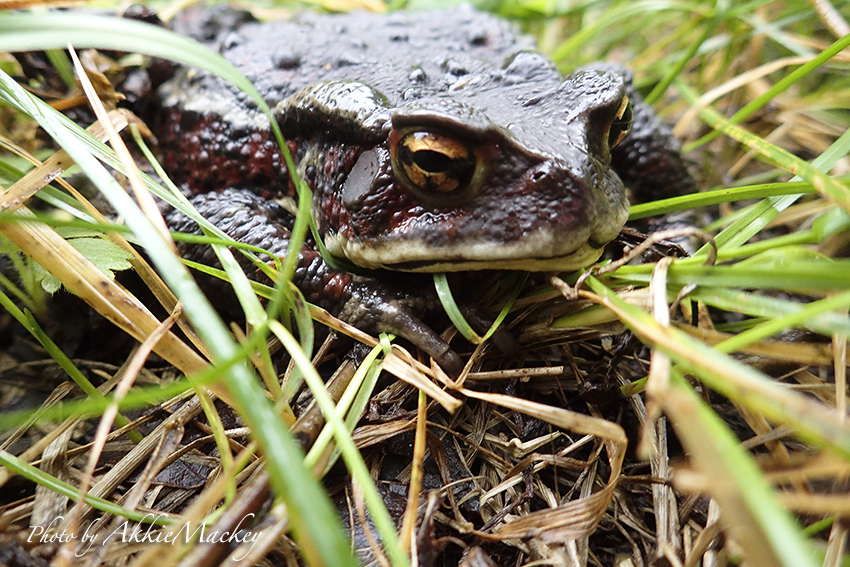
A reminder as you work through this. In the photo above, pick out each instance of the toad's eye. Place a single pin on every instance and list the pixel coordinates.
(622, 123)
(432, 162)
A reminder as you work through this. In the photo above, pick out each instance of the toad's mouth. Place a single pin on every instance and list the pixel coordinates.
(530, 255)
(578, 259)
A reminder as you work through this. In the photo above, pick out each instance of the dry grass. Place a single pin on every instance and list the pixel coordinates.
(666, 412)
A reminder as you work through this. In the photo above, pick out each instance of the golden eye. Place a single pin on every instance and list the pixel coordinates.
(622, 123)
(433, 162)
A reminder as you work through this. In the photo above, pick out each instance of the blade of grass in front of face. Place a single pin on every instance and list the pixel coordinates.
(444, 293)
(314, 519)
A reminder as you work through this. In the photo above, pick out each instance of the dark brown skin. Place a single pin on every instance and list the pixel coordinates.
(432, 142)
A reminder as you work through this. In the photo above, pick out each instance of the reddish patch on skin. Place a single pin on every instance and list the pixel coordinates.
(324, 286)
(337, 285)
(203, 153)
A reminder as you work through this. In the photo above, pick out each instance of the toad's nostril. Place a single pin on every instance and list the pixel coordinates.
(538, 176)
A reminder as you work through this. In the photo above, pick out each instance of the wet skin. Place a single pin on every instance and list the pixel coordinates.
(432, 142)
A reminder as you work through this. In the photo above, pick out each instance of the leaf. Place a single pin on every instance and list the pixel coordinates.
(107, 256)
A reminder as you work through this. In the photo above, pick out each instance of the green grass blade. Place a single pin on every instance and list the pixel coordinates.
(820, 316)
(38, 476)
(725, 195)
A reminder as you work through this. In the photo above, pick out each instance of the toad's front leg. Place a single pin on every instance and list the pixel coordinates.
(393, 304)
